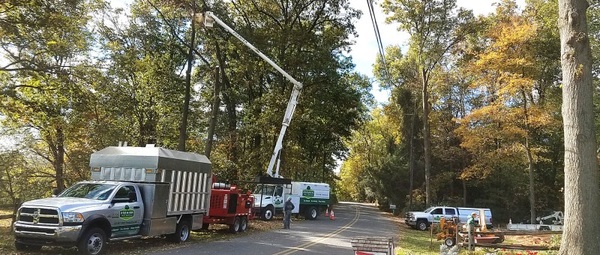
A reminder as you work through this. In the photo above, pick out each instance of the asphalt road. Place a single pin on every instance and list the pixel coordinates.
(321, 236)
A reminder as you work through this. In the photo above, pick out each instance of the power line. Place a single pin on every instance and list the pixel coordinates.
(378, 38)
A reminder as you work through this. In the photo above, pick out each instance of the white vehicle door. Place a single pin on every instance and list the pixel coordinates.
(437, 214)
(127, 212)
(278, 199)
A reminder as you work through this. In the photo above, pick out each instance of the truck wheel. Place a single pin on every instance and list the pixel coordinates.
(312, 213)
(235, 227)
(244, 224)
(500, 239)
(449, 242)
(267, 213)
(92, 242)
(182, 232)
(422, 225)
(26, 247)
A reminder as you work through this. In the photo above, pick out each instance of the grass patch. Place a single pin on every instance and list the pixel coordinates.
(416, 242)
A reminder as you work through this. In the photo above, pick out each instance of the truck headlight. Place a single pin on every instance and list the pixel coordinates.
(70, 217)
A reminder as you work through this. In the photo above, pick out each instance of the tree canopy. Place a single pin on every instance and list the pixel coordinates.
(475, 118)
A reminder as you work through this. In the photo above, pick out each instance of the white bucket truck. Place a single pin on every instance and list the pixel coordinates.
(309, 198)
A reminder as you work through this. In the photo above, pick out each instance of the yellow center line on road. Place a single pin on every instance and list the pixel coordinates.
(311, 243)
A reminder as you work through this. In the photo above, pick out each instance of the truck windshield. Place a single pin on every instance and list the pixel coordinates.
(428, 210)
(264, 189)
(89, 190)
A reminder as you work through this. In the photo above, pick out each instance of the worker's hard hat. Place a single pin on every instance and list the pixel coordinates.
(474, 213)
(289, 199)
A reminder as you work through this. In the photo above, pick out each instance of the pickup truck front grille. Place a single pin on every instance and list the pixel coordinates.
(37, 230)
(39, 216)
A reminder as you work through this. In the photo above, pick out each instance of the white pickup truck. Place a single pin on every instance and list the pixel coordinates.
(133, 192)
(422, 220)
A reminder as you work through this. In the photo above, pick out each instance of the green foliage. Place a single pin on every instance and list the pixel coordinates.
(514, 84)
(17, 176)
(79, 77)
(494, 97)
(306, 39)
(375, 171)
(44, 85)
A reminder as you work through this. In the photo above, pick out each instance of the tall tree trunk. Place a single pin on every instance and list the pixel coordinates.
(188, 85)
(214, 114)
(531, 180)
(582, 197)
(16, 201)
(230, 103)
(426, 138)
(529, 159)
(412, 163)
(59, 159)
(464, 187)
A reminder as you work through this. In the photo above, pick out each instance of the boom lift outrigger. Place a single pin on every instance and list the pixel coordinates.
(209, 18)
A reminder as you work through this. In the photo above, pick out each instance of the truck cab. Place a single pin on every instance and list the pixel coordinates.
(269, 200)
(116, 208)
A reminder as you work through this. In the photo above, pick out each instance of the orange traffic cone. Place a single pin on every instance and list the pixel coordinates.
(327, 212)
(331, 215)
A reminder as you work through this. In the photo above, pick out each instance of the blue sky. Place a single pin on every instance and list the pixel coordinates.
(365, 50)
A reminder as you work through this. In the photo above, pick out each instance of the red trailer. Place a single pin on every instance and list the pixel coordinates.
(229, 205)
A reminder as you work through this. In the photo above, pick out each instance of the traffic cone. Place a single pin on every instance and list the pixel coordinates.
(331, 215)
(327, 212)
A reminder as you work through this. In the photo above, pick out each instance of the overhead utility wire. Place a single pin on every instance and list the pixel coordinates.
(378, 38)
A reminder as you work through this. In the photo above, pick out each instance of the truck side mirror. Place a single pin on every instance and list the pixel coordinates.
(132, 197)
(55, 192)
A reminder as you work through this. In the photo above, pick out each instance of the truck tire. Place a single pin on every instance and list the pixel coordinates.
(26, 247)
(244, 224)
(93, 242)
(235, 227)
(312, 213)
(500, 239)
(182, 232)
(267, 213)
(422, 225)
(449, 242)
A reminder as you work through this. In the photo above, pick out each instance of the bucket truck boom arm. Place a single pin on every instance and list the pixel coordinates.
(209, 17)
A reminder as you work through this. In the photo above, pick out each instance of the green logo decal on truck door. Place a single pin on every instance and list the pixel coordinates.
(126, 213)
(308, 192)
